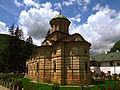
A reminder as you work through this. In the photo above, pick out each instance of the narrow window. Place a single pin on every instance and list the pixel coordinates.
(99, 64)
(54, 66)
(86, 66)
(54, 52)
(60, 27)
(37, 66)
(55, 26)
(64, 28)
(111, 63)
(34, 58)
(27, 69)
(118, 63)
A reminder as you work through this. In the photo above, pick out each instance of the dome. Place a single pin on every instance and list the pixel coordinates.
(60, 16)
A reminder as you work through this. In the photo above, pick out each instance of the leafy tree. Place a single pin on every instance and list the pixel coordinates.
(116, 47)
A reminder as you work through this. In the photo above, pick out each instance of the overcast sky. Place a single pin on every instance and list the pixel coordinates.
(98, 21)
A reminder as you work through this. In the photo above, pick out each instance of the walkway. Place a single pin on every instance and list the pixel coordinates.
(3, 88)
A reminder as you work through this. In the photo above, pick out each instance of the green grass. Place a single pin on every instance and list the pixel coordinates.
(34, 86)
(38, 86)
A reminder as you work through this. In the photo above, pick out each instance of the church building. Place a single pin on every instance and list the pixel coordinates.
(61, 57)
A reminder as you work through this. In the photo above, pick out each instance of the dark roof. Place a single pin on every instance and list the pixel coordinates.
(106, 57)
(56, 32)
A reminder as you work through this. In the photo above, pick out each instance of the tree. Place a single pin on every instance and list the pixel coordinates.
(48, 32)
(11, 30)
(116, 47)
(19, 33)
(29, 40)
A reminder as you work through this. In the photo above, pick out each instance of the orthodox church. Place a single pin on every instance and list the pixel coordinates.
(61, 57)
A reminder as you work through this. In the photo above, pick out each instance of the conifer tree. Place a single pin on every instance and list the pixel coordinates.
(29, 40)
(11, 30)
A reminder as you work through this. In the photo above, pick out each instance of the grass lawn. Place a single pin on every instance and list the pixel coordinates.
(34, 86)
(38, 86)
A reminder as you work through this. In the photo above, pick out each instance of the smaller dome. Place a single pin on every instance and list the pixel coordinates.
(60, 16)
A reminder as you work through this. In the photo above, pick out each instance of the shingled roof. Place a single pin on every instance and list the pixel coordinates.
(106, 57)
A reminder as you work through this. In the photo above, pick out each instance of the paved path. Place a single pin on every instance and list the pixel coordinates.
(3, 88)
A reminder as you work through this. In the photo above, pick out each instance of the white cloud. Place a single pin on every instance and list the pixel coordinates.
(35, 22)
(101, 30)
(3, 28)
(85, 8)
(76, 18)
(18, 4)
(68, 3)
(47, 5)
(31, 3)
(98, 7)
(78, 2)
(57, 6)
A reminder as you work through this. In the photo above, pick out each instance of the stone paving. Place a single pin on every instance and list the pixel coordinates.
(3, 88)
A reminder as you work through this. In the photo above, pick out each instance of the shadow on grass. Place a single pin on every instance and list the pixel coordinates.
(97, 82)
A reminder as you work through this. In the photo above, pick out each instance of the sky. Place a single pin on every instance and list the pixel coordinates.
(98, 21)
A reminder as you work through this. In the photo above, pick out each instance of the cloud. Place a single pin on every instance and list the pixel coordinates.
(78, 2)
(85, 8)
(101, 29)
(46, 5)
(3, 28)
(98, 7)
(18, 4)
(76, 18)
(82, 4)
(68, 3)
(31, 3)
(35, 22)
(57, 6)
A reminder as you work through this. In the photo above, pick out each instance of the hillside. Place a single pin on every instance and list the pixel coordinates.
(14, 53)
(116, 47)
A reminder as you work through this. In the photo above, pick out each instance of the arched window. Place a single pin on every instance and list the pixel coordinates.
(55, 26)
(54, 66)
(60, 27)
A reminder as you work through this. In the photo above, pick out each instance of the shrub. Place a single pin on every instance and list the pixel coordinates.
(109, 77)
(115, 77)
(97, 75)
(102, 75)
(18, 82)
(55, 86)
